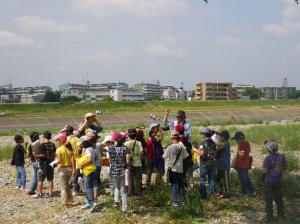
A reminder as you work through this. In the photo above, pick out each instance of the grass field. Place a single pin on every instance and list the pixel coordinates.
(52, 110)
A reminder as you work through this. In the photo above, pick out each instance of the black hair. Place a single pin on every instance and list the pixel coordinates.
(18, 138)
(47, 135)
(69, 130)
(34, 136)
(87, 144)
(69, 146)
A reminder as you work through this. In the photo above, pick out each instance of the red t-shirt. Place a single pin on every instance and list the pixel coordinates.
(242, 158)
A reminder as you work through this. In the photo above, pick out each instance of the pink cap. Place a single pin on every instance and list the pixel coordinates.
(62, 138)
(115, 136)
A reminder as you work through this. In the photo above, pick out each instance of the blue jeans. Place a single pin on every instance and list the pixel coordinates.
(89, 186)
(97, 182)
(207, 171)
(246, 184)
(177, 186)
(273, 191)
(21, 176)
(35, 177)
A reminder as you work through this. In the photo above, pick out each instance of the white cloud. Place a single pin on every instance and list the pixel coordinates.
(34, 24)
(102, 56)
(132, 7)
(290, 23)
(233, 40)
(10, 39)
(166, 47)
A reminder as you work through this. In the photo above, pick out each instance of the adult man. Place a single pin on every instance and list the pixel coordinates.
(90, 122)
(180, 119)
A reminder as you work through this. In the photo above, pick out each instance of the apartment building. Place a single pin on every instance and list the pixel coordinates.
(213, 91)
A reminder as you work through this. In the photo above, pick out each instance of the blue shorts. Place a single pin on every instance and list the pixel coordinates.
(160, 166)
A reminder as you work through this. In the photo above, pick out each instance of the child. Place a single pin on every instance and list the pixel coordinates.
(45, 155)
(18, 161)
(136, 155)
(155, 153)
(63, 160)
(273, 168)
(207, 162)
(119, 157)
(106, 144)
(174, 155)
(187, 162)
(223, 163)
(243, 164)
(89, 179)
(32, 150)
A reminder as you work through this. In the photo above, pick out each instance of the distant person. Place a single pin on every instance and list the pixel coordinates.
(19, 161)
(174, 155)
(63, 161)
(207, 152)
(90, 122)
(180, 119)
(242, 164)
(136, 153)
(45, 156)
(119, 158)
(274, 166)
(223, 163)
(155, 153)
(32, 151)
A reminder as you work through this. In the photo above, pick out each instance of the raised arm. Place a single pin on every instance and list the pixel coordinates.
(166, 117)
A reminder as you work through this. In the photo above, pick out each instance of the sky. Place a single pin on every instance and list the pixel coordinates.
(59, 41)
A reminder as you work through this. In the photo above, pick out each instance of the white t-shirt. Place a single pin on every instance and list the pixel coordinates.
(90, 152)
(171, 154)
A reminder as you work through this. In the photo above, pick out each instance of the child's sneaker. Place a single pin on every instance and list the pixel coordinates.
(175, 204)
(116, 204)
(86, 206)
(36, 196)
(93, 206)
(18, 188)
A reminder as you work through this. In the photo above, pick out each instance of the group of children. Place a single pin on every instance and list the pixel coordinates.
(78, 156)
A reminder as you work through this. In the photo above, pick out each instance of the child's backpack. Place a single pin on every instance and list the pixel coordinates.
(277, 168)
(209, 147)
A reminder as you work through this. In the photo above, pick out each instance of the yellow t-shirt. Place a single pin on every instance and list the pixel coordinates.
(65, 156)
(74, 143)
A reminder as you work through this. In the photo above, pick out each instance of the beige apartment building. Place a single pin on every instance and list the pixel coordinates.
(214, 91)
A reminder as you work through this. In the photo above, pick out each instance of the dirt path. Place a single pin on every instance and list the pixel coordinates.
(266, 114)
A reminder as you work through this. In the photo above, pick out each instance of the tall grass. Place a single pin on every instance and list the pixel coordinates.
(6, 152)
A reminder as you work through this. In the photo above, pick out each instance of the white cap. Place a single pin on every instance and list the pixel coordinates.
(107, 139)
(153, 125)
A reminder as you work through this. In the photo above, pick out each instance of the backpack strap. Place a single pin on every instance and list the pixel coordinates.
(177, 157)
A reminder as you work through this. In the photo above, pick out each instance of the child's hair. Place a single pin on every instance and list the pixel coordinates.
(87, 144)
(34, 136)
(47, 135)
(69, 146)
(18, 138)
